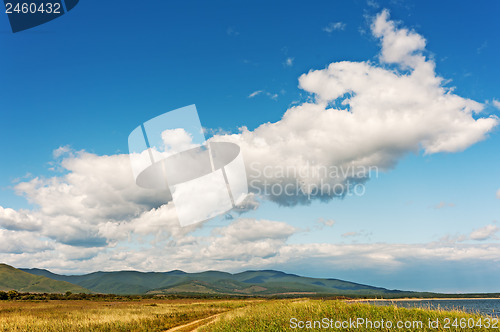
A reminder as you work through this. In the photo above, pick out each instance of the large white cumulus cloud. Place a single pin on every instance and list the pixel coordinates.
(95, 203)
(363, 115)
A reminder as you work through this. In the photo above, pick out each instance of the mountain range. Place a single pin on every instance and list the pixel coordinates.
(248, 283)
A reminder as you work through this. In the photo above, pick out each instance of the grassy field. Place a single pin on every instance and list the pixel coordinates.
(338, 315)
(224, 315)
(144, 315)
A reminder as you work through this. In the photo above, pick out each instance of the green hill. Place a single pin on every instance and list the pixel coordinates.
(265, 283)
(14, 279)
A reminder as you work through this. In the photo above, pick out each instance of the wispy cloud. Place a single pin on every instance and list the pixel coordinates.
(496, 103)
(326, 222)
(62, 150)
(487, 232)
(288, 62)
(273, 96)
(482, 47)
(442, 205)
(373, 4)
(333, 26)
(255, 93)
(358, 234)
(250, 62)
(232, 32)
(484, 233)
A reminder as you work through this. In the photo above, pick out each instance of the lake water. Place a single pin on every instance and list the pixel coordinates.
(487, 307)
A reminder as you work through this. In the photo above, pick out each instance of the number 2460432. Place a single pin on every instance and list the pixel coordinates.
(32, 8)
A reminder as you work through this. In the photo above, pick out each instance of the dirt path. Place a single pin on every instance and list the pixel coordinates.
(196, 324)
(192, 326)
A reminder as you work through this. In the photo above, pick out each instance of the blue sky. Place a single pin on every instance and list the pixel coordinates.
(87, 79)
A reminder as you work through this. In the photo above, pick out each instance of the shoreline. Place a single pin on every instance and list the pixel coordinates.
(425, 299)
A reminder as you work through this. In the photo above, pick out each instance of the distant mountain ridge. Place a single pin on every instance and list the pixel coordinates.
(248, 283)
(15, 279)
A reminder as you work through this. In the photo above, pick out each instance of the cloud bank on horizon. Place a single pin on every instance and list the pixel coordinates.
(361, 114)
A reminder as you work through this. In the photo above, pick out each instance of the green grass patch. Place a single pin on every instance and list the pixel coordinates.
(316, 315)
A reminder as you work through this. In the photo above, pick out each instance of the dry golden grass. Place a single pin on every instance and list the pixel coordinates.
(143, 315)
(210, 315)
